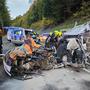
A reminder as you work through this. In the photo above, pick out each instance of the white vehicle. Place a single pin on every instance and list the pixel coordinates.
(16, 35)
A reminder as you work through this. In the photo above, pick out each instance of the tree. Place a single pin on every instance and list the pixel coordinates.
(47, 8)
(52, 10)
(4, 14)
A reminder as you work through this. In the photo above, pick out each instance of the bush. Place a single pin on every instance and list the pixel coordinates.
(42, 24)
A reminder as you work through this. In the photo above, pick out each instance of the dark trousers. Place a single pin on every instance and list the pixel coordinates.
(0, 45)
(61, 51)
(77, 56)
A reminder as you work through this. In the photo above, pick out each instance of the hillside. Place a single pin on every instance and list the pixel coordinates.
(55, 14)
(4, 14)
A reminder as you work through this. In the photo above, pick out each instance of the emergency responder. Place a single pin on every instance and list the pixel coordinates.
(30, 44)
(1, 33)
(61, 51)
(23, 51)
(47, 41)
(52, 39)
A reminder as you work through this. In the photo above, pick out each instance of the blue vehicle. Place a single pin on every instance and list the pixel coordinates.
(16, 35)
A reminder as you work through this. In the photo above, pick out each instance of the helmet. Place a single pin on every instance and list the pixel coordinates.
(60, 34)
(34, 33)
(50, 33)
(56, 33)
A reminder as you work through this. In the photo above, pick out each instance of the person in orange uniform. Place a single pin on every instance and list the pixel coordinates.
(22, 51)
(30, 44)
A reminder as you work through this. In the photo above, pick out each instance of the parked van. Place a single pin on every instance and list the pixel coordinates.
(16, 35)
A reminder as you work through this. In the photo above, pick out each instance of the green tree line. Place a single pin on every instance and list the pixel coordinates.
(4, 14)
(49, 11)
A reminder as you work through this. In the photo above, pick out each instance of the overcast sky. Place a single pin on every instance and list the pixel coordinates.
(18, 7)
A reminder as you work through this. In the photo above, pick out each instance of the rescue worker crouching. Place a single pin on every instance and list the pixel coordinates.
(29, 45)
(18, 55)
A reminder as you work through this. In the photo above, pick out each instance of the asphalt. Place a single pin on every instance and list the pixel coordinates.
(58, 79)
(6, 46)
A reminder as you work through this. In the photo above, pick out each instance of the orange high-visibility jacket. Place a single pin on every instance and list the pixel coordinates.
(34, 44)
(28, 48)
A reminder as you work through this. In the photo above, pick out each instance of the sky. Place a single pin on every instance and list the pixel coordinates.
(18, 7)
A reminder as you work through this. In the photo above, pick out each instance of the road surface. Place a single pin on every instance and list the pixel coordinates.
(56, 79)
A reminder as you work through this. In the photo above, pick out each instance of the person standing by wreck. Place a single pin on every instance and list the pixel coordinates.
(1, 34)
